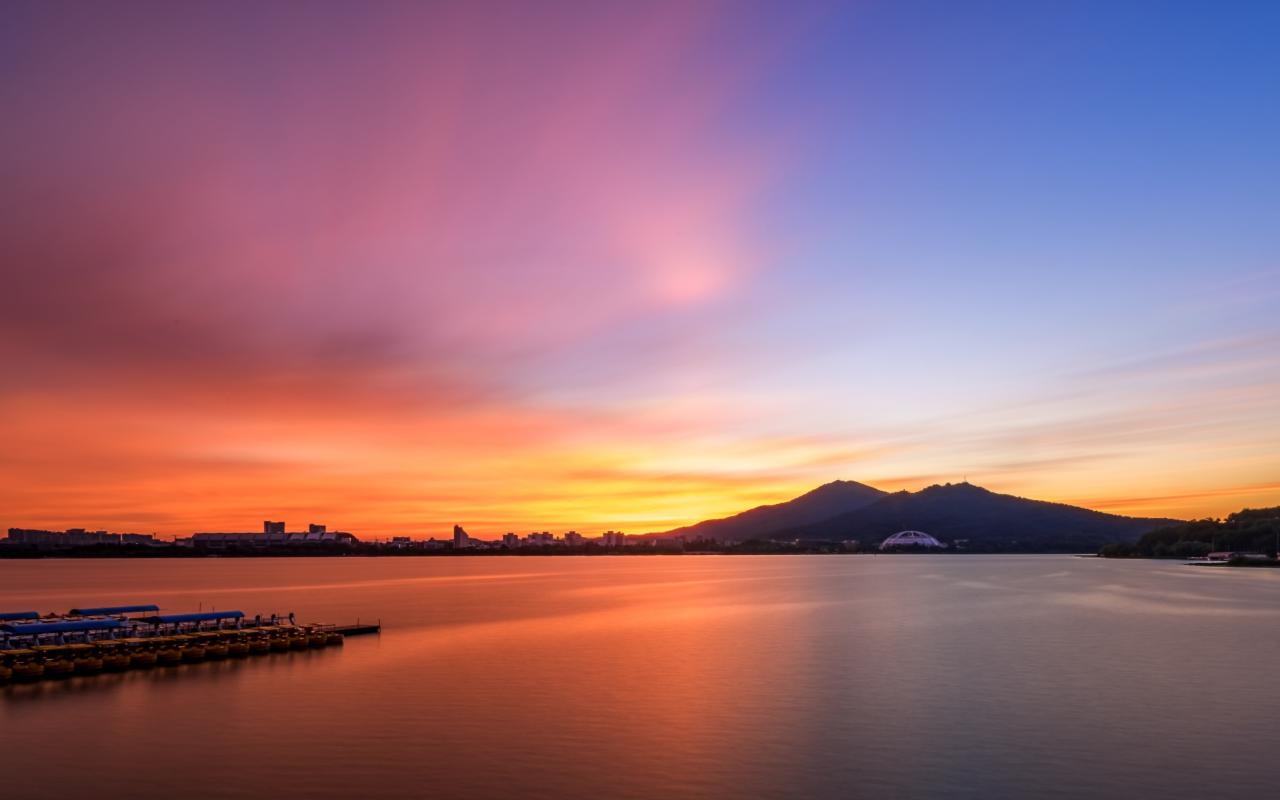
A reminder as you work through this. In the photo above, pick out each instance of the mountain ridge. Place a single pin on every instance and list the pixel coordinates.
(982, 519)
(826, 501)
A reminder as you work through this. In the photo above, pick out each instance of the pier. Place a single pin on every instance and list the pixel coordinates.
(93, 640)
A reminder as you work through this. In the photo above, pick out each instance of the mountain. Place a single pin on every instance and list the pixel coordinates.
(823, 503)
(989, 521)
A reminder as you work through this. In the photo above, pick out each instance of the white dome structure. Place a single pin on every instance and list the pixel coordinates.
(911, 539)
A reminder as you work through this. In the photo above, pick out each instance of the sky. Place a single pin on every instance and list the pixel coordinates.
(528, 266)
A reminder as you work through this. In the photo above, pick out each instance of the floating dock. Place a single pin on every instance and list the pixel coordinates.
(93, 640)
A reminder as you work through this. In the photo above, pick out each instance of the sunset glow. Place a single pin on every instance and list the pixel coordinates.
(537, 266)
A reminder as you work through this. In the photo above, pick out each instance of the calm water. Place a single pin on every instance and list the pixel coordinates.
(909, 676)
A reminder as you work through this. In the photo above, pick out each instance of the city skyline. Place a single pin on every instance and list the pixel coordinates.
(586, 268)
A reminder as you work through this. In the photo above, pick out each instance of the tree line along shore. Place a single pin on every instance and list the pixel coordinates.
(1252, 531)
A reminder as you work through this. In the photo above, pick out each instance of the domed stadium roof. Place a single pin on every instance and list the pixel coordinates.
(910, 539)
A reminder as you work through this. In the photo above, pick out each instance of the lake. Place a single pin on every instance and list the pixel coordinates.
(671, 677)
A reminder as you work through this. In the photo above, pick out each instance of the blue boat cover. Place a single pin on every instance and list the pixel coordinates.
(94, 612)
(7, 615)
(170, 619)
(29, 628)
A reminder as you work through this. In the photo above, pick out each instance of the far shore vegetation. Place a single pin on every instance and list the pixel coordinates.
(1253, 530)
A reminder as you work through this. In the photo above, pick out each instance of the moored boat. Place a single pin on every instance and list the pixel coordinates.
(28, 671)
(115, 656)
(215, 648)
(192, 648)
(85, 659)
(168, 651)
(56, 660)
(141, 652)
(23, 663)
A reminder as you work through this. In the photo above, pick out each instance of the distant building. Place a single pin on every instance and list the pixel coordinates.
(461, 540)
(613, 539)
(511, 540)
(573, 539)
(74, 537)
(903, 539)
(273, 535)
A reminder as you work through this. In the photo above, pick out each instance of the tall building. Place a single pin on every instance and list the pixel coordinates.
(511, 540)
(272, 527)
(460, 538)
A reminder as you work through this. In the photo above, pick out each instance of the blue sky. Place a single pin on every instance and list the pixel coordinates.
(610, 265)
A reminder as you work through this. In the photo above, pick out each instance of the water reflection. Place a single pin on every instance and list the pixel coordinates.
(678, 677)
(209, 671)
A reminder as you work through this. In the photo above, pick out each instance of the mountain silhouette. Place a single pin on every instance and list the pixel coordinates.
(983, 521)
(827, 501)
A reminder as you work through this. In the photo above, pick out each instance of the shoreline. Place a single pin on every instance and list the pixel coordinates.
(631, 552)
